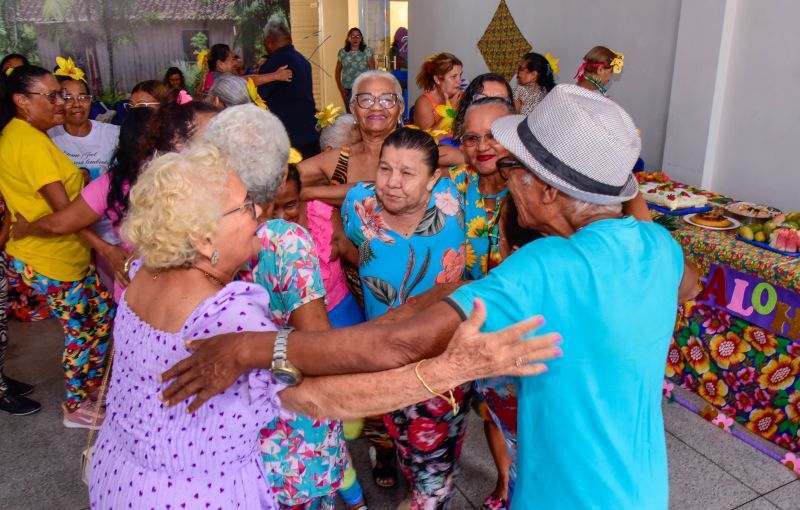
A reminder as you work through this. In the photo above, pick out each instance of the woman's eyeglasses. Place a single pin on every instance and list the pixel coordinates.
(248, 204)
(470, 140)
(143, 104)
(505, 165)
(81, 98)
(366, 100)
(51, 96)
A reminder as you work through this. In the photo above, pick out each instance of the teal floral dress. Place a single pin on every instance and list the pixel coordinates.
(394, 268)
(304, 458)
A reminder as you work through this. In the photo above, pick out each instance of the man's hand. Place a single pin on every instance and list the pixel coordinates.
(283, 73)
(213, 367)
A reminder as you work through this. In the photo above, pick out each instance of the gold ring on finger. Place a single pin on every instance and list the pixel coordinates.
(519, 362)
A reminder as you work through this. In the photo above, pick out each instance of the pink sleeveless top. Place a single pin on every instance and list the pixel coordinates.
(321, 230)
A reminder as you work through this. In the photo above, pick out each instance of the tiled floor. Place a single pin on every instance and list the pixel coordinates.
(709, 469)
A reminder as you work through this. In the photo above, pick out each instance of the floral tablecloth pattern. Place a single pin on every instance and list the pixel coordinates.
(748, 373)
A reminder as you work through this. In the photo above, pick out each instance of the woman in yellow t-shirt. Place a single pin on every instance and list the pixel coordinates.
(37, 179)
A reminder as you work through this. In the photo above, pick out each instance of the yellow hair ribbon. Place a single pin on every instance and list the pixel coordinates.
(251, 89)
(553, 61)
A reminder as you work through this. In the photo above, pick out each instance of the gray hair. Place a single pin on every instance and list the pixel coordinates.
(277, 28)
(256, 146)
(337, 134)
(582, 207)
(367, 75)
(230, 89)
(489, 100)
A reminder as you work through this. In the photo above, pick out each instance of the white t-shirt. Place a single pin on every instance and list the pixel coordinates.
(92, 154)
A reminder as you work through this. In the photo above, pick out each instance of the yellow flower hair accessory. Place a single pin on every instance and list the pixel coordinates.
(617, 63)
(328, 115)
(9, 71)
(294, 156)
(66, 67)
(436, 134)
(202, 58)
(251, 89)
(553, 61)
(448, 114)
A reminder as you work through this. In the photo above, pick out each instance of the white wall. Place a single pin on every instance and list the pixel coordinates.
(646, 32)
(758, 146)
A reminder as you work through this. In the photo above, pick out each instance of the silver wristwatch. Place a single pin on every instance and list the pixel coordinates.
(282, 370)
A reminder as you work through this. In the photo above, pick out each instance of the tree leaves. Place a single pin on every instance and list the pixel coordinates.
(381, 289)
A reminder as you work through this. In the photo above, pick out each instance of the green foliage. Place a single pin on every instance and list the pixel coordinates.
(110, 96)
(16, 37)
(199, 41)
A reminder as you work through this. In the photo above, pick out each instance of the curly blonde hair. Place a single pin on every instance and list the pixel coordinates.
(177, 201)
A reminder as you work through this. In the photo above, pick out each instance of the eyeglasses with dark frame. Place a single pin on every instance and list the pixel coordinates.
(506, 164)
(81, 98)
(51, 96)
(249, 203)
(366, 100)
(471, 140)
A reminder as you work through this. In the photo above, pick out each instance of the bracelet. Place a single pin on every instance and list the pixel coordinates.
(126, 267)
(449, 398)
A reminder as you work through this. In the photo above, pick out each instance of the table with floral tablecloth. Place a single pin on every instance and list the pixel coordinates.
(750, 375)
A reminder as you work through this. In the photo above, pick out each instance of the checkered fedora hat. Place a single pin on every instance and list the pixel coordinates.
(577, 141)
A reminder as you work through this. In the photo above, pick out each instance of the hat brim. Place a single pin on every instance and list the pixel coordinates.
(504, 131)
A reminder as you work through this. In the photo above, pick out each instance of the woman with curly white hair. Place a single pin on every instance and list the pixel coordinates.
(193, 224)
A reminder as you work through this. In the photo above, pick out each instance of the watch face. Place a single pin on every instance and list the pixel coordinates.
(284, 377)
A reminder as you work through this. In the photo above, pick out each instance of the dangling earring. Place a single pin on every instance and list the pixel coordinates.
(214, 257)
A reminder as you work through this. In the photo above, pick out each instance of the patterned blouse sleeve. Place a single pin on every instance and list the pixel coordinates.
(296, 279)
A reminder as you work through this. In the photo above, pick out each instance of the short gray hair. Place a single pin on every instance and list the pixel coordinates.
(277, 28)
(368, 75)
(256, 147)
(230, 89)
(582, 207)
(337, 134)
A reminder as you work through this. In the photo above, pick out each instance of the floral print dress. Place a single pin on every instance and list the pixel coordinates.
(393, 268)
(498, 394)
(304, 458)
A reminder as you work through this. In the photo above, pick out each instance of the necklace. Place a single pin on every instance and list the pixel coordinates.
(596, 83)
(210, 276)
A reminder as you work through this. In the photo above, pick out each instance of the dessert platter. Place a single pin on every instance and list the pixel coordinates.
(671, 199)
(749, 212)
(711, 221)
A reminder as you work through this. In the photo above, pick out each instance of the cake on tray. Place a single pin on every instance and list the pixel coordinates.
(671, 197)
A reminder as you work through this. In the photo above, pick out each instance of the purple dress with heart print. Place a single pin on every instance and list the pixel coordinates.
(150, 457)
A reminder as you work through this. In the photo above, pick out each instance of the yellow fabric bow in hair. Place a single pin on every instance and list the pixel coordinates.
(9, 71)
(448, 114)
(251, 89)
(202, 59)
(617, 63)
(328, 115)
(436, 134)
(66, 67)
(294, 156)
(553, 61)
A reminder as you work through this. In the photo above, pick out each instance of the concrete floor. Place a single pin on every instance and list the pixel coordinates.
(40, 462)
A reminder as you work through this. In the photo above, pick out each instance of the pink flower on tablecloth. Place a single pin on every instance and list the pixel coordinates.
(717, 323)
(689, 382)
(762, 397)
(372, 224)
(746, 375)
(667, 389)
(744, 402)
(723, 421)
(793, 349)
(731, 380)
(785, 440)
(792, 462)
(447, 203)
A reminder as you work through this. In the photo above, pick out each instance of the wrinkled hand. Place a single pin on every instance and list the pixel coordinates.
(213, 367)
(505, 352)
(20, 228)
(283, 73)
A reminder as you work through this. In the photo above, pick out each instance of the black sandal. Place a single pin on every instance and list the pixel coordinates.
(384, 469)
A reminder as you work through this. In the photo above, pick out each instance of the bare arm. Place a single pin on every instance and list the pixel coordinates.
(283, 73)
(217, 362)
(76, 216)
(331, 195)
(423, 113)
(311, 316)
(371, 62)
(450, 156)
(317, 171)
(470, 355)
(343, 248)
(690, 283)
(637, 207)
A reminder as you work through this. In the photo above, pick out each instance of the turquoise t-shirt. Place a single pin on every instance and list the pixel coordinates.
(590, 429)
